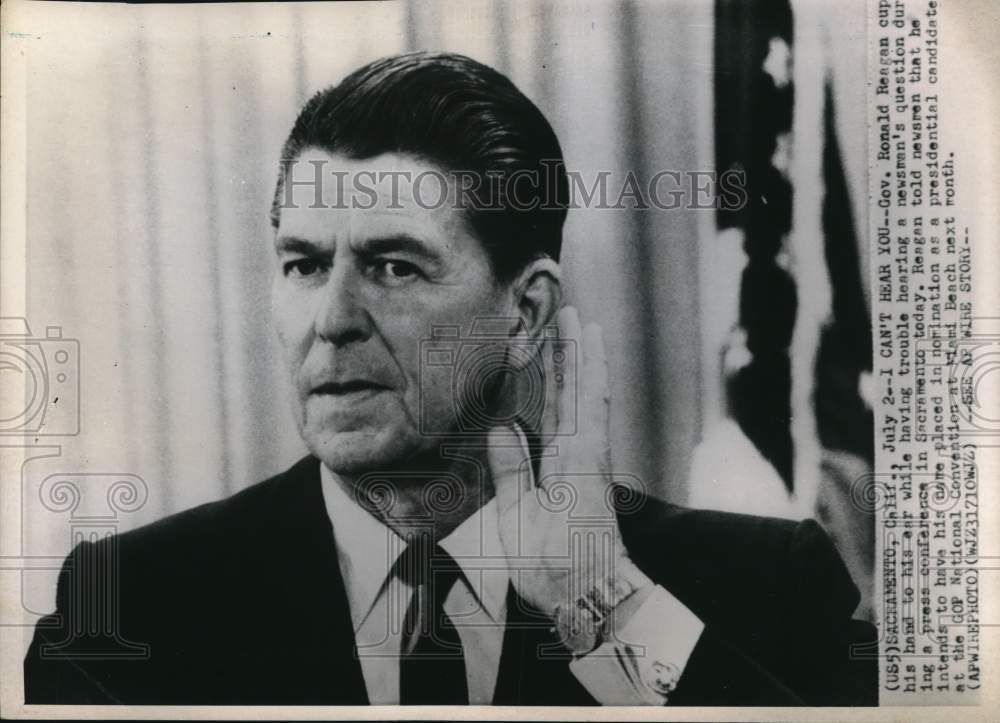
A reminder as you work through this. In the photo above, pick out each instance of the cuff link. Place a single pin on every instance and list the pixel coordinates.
(664, 678)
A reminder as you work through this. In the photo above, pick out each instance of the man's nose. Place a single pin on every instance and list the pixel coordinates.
(342, 317)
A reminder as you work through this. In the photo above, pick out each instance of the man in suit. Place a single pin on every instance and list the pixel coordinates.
(457, 534)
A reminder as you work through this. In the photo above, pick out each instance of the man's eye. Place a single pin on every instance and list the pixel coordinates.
(302, 267)
(395, 270)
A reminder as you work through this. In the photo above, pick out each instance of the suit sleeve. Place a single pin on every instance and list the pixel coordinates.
(640, 661)
(813, 652)
(784, 637)
(63, 663)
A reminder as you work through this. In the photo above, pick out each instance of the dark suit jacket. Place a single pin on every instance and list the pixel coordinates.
(241, 602)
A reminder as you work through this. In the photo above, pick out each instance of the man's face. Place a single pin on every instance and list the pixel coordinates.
(355, 293)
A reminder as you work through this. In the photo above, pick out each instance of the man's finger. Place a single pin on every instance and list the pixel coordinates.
(510, 465)
(553, 388)
(594, 385)
(570, 333)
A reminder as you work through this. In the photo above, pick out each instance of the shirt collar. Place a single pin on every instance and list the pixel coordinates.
(367, 550)
(475, 546)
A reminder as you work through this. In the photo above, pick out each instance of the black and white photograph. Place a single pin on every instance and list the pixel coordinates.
(492, 354)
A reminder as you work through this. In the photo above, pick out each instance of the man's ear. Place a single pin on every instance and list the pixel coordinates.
(537, 295)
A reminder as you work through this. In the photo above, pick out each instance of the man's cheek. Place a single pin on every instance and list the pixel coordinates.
(434, 400)
(293, 329)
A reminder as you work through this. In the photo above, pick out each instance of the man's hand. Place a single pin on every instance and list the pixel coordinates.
(560, 532)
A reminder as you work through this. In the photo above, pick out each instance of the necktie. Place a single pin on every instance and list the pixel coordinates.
(431, 666)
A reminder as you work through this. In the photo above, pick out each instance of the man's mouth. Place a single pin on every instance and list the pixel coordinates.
(352, 386)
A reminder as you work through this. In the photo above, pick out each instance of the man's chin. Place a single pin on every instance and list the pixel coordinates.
(358, 451)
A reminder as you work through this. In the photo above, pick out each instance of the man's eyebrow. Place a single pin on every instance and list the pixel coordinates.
(397, 242)
(296, 245)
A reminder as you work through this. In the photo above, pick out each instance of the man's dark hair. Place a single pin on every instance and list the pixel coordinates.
(463, 116)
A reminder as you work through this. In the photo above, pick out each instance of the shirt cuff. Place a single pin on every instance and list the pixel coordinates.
(642, 661)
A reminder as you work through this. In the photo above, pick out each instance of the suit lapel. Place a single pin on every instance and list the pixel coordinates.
(330, 671)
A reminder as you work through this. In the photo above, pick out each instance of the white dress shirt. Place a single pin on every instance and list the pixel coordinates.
(664, 631)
